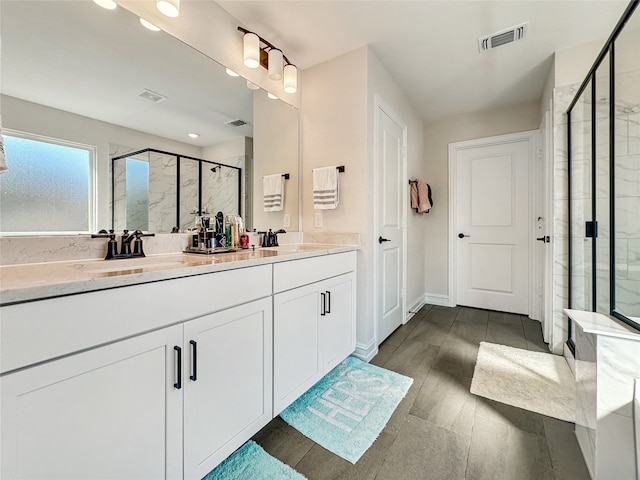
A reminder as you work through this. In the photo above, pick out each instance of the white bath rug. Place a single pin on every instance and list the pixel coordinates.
(539, 382)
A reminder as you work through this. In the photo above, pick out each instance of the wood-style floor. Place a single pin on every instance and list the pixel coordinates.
(440, 430)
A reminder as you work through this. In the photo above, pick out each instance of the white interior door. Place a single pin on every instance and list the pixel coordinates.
(389, 240)
(492, 224)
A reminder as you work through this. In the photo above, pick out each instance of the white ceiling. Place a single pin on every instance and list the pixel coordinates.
(430, 47)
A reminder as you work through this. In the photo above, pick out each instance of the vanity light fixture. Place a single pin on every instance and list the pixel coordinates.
(148, 25)
(259, 52)
(170, 8)
(275, 63)
(231, 73)
(108, 4)
(290, 79)
(251, 50)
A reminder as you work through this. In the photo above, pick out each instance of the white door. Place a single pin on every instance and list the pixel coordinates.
(338, 339)
(492, 223)
(390, 199)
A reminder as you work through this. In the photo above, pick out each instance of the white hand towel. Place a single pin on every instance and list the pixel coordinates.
(3, 160)
(273, 192)
(325, 188)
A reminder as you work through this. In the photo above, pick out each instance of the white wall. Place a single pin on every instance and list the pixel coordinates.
(437, 136)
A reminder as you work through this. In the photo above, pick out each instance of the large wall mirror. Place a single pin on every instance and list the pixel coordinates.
(74, 72)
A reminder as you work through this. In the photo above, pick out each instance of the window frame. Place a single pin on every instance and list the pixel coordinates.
(92, 200)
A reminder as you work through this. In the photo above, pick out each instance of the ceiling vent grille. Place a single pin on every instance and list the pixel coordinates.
(151, 96)
(236, 123)
(503, 37)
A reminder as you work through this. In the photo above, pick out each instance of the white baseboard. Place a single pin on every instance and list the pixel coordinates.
(414, 307)
(366, 352)
(437, 299)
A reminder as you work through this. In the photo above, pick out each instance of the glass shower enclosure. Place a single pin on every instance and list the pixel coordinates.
(604, 180)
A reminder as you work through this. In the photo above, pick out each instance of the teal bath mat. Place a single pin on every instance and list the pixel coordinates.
(348, 408)
(251, 462)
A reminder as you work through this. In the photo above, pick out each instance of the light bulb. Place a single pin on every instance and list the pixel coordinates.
(170, 8)
(251, 45)
(148, 25)
(108, 4)
(290, 79)
(275, 64)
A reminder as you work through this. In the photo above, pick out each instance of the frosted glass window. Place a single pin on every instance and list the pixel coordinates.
(47, 188)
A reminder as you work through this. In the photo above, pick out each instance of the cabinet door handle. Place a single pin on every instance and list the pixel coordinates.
(323, 302)
(178, 384)
(329, 301)
(194, 360)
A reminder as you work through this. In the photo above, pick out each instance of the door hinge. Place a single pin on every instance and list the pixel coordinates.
(591, 229)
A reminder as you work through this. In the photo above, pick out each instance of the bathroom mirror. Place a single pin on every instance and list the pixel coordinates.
(76, 72)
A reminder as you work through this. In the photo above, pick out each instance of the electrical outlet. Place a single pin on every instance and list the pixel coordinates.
(318, 220)
(287, 220)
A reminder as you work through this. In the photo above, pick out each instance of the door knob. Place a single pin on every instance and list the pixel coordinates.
(382, 240)
(462, 235)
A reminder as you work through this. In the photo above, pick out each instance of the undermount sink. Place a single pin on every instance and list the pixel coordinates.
(140, 264)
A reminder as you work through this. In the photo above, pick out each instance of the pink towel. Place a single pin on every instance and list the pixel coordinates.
(414, 194)
(424, 205)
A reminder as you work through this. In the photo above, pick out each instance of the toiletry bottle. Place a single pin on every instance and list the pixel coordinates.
(227, 230)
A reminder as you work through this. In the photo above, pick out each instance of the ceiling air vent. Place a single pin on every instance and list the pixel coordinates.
(153, 97)
(503, 37)
(236, 123)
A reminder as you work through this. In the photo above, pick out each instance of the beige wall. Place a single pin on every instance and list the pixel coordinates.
(337, 128)
(275, 141)
(437, 136)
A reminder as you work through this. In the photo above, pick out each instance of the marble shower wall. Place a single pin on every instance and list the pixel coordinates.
(562, 97)
(627, 192)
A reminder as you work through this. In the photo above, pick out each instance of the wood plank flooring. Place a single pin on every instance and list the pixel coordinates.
(440, 430)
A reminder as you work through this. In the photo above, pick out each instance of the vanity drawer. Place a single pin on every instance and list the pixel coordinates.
(41, 330)
(296, 273)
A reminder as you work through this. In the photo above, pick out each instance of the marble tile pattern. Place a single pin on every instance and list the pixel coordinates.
(607, 363)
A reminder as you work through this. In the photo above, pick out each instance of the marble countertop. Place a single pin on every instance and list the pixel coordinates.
(599, 324)
(37, 281)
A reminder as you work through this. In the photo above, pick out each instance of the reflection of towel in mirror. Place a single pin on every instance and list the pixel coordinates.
(325, 188)
(3, 160)
(273, 192)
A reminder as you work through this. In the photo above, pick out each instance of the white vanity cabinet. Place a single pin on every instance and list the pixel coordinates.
(169, 403)
(314, 322)
(110, 412)
(227, 383)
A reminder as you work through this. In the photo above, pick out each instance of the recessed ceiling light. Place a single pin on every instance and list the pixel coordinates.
(271, 96)
(232, 73)
(252, 85)
(148, 25)
(108, 4)
(194, 135)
